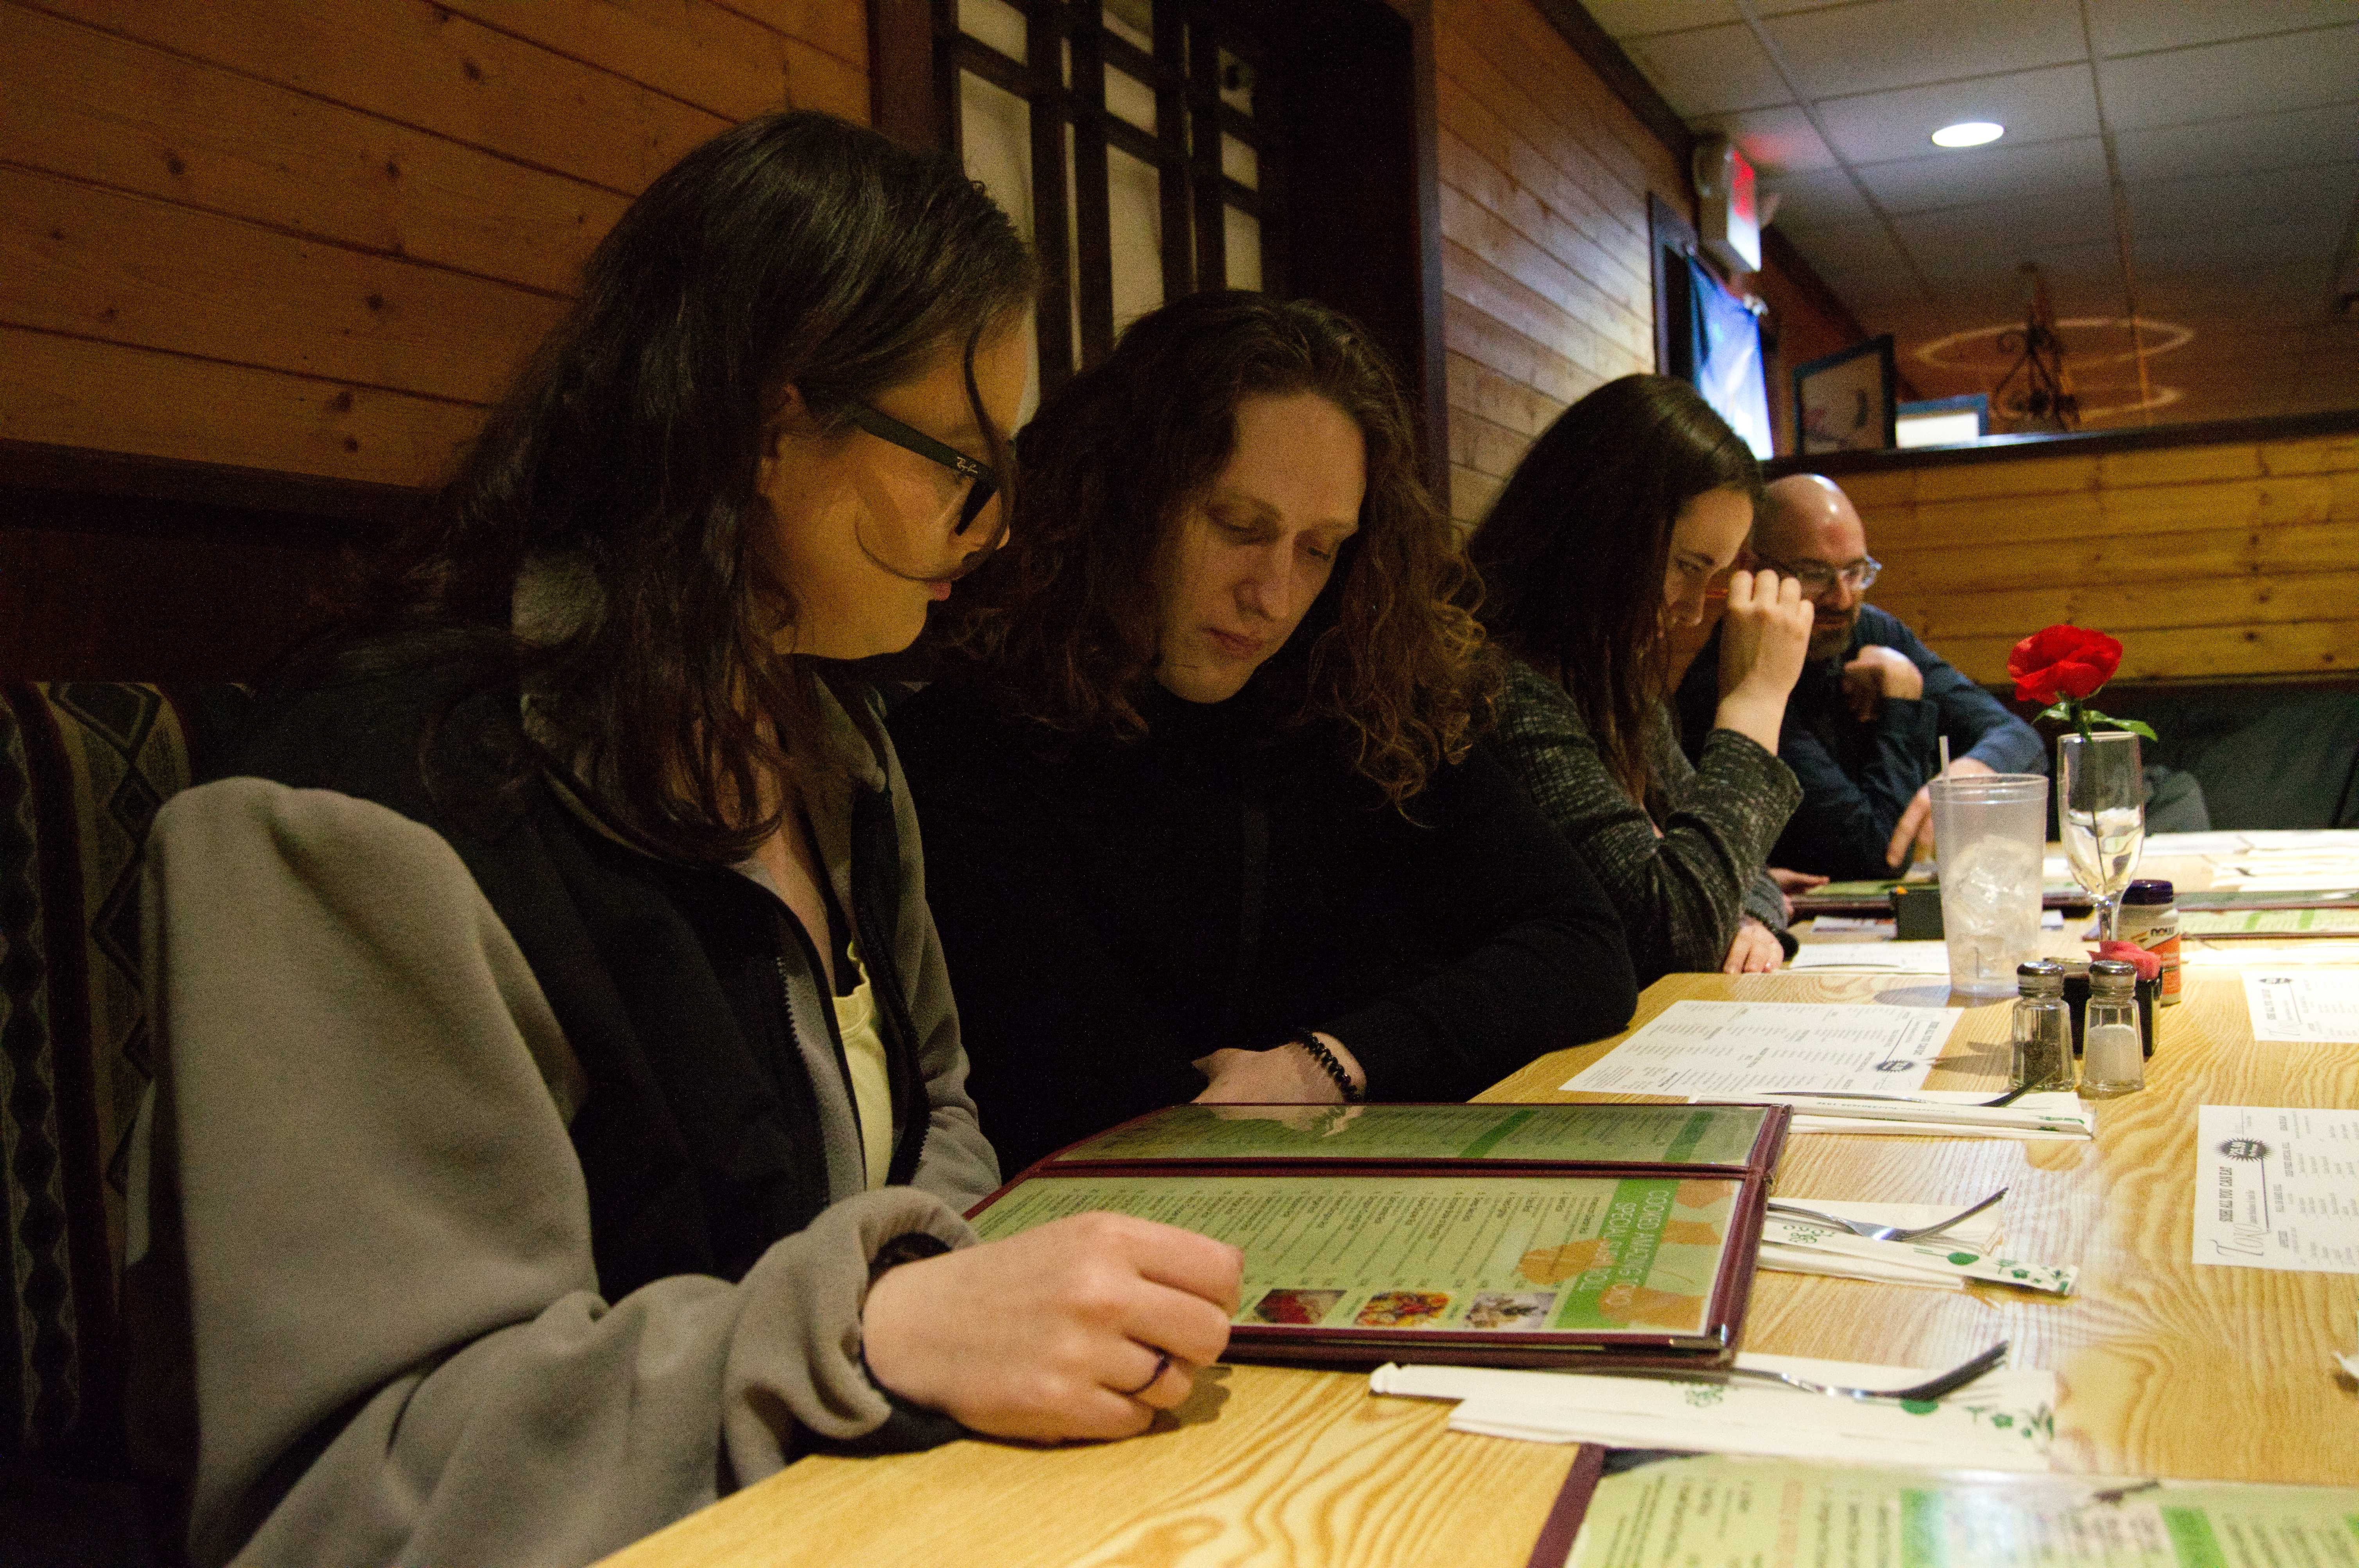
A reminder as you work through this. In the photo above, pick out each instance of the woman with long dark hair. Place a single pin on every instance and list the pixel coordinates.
(563, 1116)
(1607, 536)
(1209, 820)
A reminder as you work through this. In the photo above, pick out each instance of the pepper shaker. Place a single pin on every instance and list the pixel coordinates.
(2042, 1027)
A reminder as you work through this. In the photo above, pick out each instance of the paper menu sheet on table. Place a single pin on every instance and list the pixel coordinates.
(2277, 1188)
(1730, 1049)
(1596, 1255)
(1719, 1509)
(2318, 1005)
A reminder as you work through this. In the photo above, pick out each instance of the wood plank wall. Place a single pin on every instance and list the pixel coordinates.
(315, 236)
(1544, 182)
(2233, 559)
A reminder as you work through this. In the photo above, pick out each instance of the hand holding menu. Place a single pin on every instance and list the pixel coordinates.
(1540, 1235)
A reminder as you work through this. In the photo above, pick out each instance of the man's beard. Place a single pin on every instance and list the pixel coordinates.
(1827, 641)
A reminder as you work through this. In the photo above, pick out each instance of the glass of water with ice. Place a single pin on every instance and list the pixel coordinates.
(1990, 830)
(2101, 790)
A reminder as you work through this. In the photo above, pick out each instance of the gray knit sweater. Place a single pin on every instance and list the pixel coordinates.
(1682, 893)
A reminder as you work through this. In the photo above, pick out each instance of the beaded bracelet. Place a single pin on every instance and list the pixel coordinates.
(1353, 1093)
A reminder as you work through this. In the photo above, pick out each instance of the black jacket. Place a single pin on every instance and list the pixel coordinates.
(1104, 926)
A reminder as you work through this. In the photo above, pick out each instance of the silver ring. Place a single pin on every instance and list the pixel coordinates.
(1162, 1365)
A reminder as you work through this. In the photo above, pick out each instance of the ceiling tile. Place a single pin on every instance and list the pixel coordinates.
(2287, 140)
(2280, 197)
(2293, 71)
(1710, 70)
(1778, 141)
(1995, 173)
(2235, 249)
(1904, 43)
(1817, 201)
(2002, 233)
(2034, 105)
(1628, 19)
(1851, 247)
(2135, 26)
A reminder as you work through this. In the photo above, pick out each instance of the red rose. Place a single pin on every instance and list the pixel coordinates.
(2062, 661)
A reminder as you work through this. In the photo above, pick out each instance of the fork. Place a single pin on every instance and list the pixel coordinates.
(1884, 1232)
(1956, 1378)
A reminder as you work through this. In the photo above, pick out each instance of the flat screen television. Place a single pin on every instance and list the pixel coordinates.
(1729, 370)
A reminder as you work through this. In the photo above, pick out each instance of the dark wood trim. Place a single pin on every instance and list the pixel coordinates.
(1671, 239)
(1204, 187)
(2079, 443)
(29, 469)
(904, 89)
(1092, 219)
(1431, 391)
(1171, 188)
(1576, 27)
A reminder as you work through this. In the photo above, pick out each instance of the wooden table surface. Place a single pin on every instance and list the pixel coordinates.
(2165, 1368)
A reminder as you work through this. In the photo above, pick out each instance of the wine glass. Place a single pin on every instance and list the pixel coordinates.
(2101, 812)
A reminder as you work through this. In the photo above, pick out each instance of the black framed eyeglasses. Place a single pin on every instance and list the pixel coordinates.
(985, 477)
(1817, 577)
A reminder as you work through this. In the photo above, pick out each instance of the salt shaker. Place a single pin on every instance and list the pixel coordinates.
(2113, 1058)
(2043, 1027)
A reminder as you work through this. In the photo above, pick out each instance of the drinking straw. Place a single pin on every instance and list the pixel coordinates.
(1945, 756)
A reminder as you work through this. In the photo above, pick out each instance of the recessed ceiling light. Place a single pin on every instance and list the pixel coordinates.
(1968, 134)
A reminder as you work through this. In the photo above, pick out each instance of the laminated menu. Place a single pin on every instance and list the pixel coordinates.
(1635, 1509)
(1501, 1234)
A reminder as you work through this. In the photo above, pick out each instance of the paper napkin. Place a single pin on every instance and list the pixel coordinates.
(1958, 1256)
(2002, 1421)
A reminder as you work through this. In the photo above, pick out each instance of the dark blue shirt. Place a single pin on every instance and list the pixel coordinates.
(1857, 778)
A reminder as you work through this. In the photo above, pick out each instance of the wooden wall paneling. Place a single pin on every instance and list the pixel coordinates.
(1505, 300)
(1494, 399)
(77, 101)
(2305, 648)
(838, 27)
(1508, 352)
(2121, 608)
(414, 61)
(1476, 229)
(2133, 559)
(134, 270)
(78, 393)
(733, 85)
(2158, 509)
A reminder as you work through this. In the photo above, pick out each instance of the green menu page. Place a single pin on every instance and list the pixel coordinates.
(1723, 1512)
(1597, 1256)
(1573, 1134)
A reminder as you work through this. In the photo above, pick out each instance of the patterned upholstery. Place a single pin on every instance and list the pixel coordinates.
(83, 768)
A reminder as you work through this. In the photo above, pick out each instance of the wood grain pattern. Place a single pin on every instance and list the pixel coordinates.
(1544, 179)
(2222, 559)
(413, 61)
(1266, 1466)
(74, 392)
(135, 270)
(85, 103)
(2165, 1367)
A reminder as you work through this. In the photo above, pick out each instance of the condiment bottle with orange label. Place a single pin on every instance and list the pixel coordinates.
(2149, 917)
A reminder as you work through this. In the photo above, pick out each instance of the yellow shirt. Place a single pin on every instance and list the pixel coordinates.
(864, 1061)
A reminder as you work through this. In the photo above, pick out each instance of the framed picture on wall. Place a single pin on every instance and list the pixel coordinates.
(1844, 403)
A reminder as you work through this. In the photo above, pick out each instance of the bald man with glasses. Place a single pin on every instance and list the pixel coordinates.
(1864, 726)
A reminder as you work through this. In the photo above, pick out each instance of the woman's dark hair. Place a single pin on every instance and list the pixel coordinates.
(1574, 551)
(794, 248)
(1068, 615)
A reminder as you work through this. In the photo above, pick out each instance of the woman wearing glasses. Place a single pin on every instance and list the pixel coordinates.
(1609, 534)
(563, 1115)
(1209, 822)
